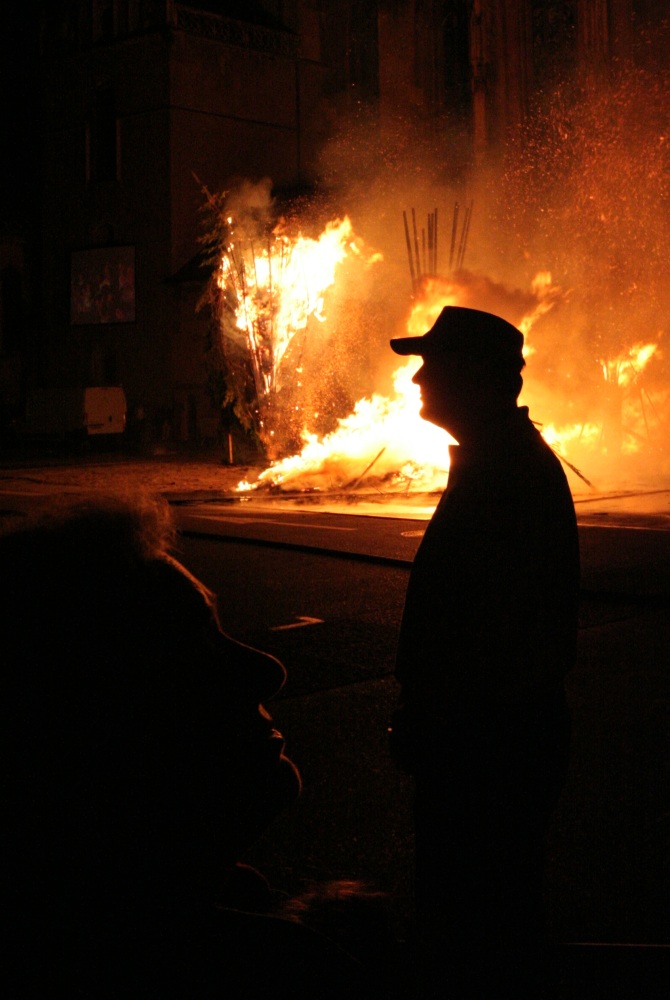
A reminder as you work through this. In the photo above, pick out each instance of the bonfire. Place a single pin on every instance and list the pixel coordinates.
(275, 287)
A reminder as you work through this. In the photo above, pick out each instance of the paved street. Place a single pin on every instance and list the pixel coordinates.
(323, 589)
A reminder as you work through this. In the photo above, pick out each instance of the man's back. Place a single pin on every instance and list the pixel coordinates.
(490, 617)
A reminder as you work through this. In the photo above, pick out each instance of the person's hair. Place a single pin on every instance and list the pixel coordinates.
(130, 529)
(85, 619)
(81, 577)
(100, 714)
(137, 768)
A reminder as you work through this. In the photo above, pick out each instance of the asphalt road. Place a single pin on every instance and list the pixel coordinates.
(324, 591)
(332, 618)
(333, 621)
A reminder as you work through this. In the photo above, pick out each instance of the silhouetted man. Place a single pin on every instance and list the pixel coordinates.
(487, 636)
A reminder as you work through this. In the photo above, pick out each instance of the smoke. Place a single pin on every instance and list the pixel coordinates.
(569, 227)
(252, 206)
(586, 191)
(376, 170)
(567, 239)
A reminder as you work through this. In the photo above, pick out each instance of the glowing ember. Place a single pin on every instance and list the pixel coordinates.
(575, 199)
(585, 190)
(569, 243)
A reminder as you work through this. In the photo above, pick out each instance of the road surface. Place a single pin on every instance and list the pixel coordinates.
(323, 587)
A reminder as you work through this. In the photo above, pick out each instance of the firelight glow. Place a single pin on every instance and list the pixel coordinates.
(627, 367)
(383, 436)
(384, 440)
(278, 287)
(281, 285)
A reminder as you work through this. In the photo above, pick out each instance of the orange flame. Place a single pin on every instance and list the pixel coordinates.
(384, 439)
(384, 444)
(627, 367)
(383, 436)
(279, 286)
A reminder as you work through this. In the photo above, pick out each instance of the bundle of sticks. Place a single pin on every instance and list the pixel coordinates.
(422, 255)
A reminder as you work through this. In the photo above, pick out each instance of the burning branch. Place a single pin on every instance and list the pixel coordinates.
(465, 232)
(269, 285)
(409, 253)
(354, 482)
(423, 263)
(273, 291)
(454, 230)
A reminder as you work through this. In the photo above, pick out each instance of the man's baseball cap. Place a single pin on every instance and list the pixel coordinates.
(470, 333)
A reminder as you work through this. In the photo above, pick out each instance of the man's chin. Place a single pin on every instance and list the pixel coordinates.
(291, 781)
(429, 416)
(279, 787)
(282, 789)
(261, 799)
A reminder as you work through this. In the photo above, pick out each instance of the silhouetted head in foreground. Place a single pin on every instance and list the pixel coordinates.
(140, 761)
(471, 372)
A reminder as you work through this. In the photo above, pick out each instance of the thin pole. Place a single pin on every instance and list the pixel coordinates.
(454, 230)
(409, 251)
(271, 292)
(573, 467)
(467, 231)
(644, 412)
(464, 236)
(354, 482)
(416, 245)
(651, 404)
(431, 237)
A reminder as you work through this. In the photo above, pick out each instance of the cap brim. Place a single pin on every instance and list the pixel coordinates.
(408, 345)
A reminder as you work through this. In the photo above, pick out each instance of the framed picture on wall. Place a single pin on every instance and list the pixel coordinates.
(102, 286)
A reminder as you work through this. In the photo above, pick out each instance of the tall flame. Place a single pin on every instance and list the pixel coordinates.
(277, 288)
(383, 443)
(624, 369)
(385, 439)
(623, 408)
(383, 436)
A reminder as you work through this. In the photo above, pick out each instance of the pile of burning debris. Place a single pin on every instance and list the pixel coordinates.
(271, 289)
